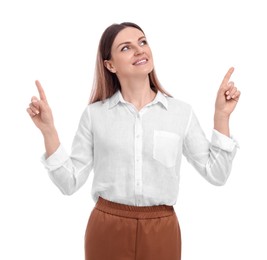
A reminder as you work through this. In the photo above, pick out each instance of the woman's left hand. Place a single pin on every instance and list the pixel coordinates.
(227, 96)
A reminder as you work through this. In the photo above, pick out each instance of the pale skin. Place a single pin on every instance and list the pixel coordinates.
(41, 114)
(132, 61)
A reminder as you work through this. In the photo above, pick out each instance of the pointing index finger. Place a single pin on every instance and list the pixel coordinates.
(41, 91)
(227, 76)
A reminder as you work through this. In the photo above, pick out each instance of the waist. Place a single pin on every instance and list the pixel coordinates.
(129, 211)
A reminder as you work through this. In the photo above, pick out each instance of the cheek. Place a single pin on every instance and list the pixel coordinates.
(122, 63)
(148, 51)
(151, 60)
(121, 66)
(150, 55)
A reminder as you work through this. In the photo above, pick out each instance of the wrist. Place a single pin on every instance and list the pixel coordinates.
(220, 116)
(49, 131)
(221, 123)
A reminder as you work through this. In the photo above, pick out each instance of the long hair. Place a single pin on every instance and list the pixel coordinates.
(105, 82)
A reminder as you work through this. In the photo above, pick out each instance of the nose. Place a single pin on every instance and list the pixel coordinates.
(139, 50)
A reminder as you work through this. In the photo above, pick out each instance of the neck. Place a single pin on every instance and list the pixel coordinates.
(138, 93)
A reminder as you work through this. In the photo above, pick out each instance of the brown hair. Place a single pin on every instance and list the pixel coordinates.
(106, 83)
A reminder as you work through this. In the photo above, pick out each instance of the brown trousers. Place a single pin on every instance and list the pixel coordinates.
(120, 232)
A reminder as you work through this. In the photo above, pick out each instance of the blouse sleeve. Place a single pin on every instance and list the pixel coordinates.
(213, 160)
(70, 172)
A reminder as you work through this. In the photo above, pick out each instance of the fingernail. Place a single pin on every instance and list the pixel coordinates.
(37, 112)
(228, 97)
(227, 92)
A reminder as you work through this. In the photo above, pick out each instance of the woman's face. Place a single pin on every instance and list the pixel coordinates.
(130, 54)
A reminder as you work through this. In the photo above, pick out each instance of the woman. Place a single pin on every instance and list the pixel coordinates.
(133, 133)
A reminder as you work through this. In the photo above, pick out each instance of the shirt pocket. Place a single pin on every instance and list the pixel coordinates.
(166, 147)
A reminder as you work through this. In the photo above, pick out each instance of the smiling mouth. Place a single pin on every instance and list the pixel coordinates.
(140, 62)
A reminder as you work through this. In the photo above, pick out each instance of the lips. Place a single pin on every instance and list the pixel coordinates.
(140, 61)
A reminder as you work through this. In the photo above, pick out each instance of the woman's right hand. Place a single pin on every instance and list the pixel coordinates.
(40, 112)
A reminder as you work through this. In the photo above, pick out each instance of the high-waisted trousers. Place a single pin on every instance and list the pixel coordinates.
(121, 232)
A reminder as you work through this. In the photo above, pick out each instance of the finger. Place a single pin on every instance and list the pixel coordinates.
(230, 93)
(236, 95)
(35, 101)
(41, 91)
(230, 86)
(227, 77)
(233, 91)
(30, 112)
(34, 109)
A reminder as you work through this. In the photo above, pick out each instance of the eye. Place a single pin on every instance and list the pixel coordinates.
(125, 48)
(144, 42)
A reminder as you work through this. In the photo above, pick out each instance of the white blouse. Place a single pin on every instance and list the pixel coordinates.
(136, 155)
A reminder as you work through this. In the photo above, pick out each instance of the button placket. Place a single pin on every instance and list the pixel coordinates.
(138, 158)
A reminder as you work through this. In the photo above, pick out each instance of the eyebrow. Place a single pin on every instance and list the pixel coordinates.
(142, 37)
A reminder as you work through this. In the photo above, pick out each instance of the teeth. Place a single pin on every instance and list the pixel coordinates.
(139, 62)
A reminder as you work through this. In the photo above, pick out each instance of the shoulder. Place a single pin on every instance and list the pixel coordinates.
(97, 110)
(92, 112)
(177, 105)
(97, 106)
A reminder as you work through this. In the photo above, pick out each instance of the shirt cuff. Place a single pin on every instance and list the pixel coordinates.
(223, 142)
(55, 160)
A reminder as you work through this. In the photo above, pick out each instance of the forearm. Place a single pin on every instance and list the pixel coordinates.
(51, 141)
(221, 123)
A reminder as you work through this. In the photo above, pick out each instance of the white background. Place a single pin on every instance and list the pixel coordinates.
(194, 43)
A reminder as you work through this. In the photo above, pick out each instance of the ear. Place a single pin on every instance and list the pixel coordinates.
(108, 64)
